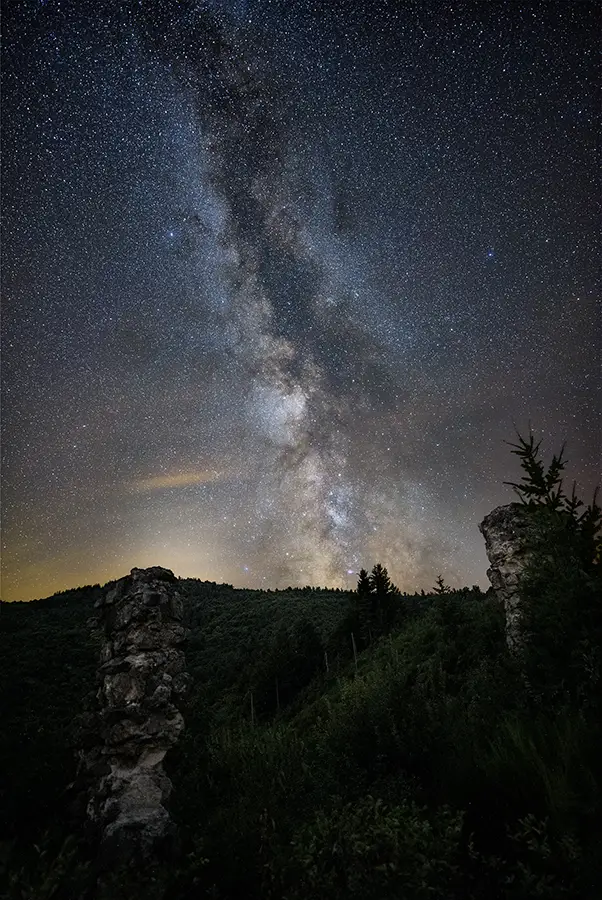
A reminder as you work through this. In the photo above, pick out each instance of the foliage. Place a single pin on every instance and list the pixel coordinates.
(562, 622)
(562, 586)
(430, 763)
(286, 665)
(384, 594)
(364, 610)
(441, 587)
(543, 489)
(47, 668)
(371, 851)
(376, 608)
(49, 869)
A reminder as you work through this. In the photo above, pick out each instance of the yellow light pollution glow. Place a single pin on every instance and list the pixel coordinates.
(175, 479)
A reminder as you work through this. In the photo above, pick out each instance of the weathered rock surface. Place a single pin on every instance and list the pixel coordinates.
(509, 533)
(142, 676)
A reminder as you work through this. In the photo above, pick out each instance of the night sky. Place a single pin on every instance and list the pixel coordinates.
(279, 277)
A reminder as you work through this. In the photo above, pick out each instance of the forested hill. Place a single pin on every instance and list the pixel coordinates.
(332, 749)
(50, 654)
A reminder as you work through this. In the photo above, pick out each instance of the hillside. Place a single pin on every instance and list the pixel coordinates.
(423, 766)
(49, 657)
(367, 745)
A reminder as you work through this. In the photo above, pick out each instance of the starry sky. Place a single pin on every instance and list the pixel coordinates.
(279, 279)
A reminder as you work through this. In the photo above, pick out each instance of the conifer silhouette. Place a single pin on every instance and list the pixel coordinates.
(441, 587)
(382, 597)
(364, 607)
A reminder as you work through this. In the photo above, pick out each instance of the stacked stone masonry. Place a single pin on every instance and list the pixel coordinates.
(142, 677)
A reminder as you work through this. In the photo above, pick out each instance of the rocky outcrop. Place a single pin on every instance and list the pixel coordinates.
(509, 537)
(141, 679)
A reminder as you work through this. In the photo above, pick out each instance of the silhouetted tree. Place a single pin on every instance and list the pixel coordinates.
(383, 598)
(562, 585)
(441, 587)
(542, 490)
(380, 581)
(365, 612)
(363, 583)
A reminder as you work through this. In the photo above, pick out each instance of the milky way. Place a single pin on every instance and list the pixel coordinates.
(279, 280)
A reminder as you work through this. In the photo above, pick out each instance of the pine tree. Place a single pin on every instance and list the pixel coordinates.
(382, 598)
(441, 587)
(562, 584)
(380, 582)
(542, 491)
(364, 588)
(364, 608)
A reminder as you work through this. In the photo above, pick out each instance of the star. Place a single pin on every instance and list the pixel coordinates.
(254, 254)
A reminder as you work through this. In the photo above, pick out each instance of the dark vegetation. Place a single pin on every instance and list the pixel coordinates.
(369, 745)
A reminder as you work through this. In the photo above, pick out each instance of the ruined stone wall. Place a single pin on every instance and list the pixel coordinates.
(508, 532)
(141, 679)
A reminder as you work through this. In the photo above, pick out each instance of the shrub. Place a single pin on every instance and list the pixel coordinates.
(370, 851)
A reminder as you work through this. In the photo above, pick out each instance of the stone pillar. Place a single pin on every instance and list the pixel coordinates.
(141, 676)
(508, 533)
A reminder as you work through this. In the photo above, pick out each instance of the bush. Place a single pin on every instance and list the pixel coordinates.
(370, 851)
